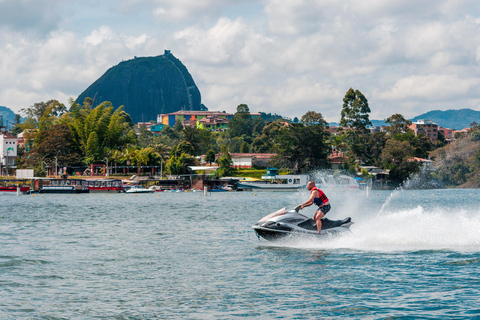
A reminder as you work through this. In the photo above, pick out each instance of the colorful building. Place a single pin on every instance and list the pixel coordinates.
(336, 158)
(210, 120)
(212, 123)
(156, 128)
(426, 127)
(189, 117)
(449, 134)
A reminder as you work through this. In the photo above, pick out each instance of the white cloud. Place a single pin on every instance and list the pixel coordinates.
(39, 17)
(62, 66)
(228, 42)
(287, 57)
(180, 10)
(431, 88)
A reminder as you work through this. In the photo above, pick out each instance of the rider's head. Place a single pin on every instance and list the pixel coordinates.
(310, 184)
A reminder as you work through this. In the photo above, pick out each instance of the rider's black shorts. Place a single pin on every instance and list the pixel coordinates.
(325, 208)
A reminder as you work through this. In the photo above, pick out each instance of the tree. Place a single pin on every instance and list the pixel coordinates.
(257, 126)
(207, 141)
(16, 120)
(172, 166)
(225, 162)
(398, 124)
(210, 156)
(355, 111)
(16, 125)
(268, 117)
(191, 135)
(35, 112)
(262, 144)
(395, 156)
(235, 144)
(368, 147)
(312, 118)
(303, 148)
(266, 142)
(185, 147)
(185, 161)
(58, 141)
(421, 143)
(113, 129)
(402, 171)
(93, 151)
(178, 127)
(396, 151)
(141, 158)
(241, 123)
(145, 136)
(243, 110)
(127, 156)
(244, 148)
(179, 165)
(169, 132)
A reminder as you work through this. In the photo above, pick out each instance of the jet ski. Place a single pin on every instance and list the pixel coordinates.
(284, 224)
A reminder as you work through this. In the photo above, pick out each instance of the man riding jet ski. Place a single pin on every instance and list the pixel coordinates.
(282, 224)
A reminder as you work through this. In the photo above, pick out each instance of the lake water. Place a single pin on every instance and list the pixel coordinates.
(411, 254)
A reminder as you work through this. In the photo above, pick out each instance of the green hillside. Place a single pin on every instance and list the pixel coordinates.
(452, 119)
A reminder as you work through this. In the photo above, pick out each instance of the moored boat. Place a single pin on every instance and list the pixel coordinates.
(138, 189)
(104, 185)
(14, 189)
(274, 182)
(157, 188)
(14, 185)
(47, 185)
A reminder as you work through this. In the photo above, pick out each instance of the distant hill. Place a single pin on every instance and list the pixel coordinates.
(452, 119)
(8, 117)
(147, 86)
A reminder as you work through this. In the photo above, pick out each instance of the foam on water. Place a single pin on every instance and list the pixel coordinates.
(416, 229)
(403, 221)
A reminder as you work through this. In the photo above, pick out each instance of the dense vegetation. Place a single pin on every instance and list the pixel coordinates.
(458, 163)
(84, 134)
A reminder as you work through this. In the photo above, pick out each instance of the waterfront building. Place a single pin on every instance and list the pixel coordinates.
(8, 152)
(426, 127)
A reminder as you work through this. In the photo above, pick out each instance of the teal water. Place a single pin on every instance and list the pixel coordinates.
(411, 254)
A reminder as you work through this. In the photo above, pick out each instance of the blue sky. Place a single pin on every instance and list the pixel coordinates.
(280, 56)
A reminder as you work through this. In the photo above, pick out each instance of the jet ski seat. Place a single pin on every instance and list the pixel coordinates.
(310, 224)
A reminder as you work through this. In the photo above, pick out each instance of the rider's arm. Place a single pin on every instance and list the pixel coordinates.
(309, 202)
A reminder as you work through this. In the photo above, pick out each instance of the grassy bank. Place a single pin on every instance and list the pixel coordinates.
(255, 173)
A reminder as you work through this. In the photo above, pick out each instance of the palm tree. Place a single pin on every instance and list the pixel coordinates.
(142, 157)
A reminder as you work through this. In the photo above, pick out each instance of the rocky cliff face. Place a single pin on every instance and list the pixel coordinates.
(147, 87)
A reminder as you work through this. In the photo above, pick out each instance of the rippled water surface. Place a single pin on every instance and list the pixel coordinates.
(412, 254)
